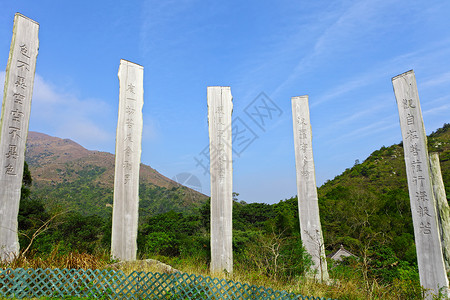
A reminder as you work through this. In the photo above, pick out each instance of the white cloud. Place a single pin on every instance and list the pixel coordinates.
(371, 129)
(358, 115)
(349, 25)
(60, 113)
(439, 80)
(65, 115)
(443, 109)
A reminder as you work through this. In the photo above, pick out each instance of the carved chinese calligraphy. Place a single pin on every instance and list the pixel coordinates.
(128, 157)
(14, 127)
(426, 232)
(220, 107)
(310, 228)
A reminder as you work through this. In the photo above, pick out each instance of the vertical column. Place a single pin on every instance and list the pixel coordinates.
(442, 208)
(128, 158)
(426, 231)
(310, 228)
(15, 117)
(220, 107)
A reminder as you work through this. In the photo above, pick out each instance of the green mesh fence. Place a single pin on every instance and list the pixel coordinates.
(109, 284)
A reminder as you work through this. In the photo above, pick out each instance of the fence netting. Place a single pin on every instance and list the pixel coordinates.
(111, 284)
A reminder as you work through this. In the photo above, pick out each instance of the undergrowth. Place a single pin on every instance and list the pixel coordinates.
(347, 280)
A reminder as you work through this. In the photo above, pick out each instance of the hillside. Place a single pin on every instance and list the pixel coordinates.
(369, 204)
(366, 209)
(69, 176)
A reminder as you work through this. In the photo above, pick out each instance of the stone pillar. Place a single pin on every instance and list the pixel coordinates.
(308, 207)
(426, 230)
(442, 208)
(220, 107)
(15, 117)
(128, 158)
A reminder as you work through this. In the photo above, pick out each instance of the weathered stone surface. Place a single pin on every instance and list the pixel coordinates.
(310, 228)
(426, 230)
(443, 210)
(220, 107)
(146, 265)
(14, 122)
(128, 158)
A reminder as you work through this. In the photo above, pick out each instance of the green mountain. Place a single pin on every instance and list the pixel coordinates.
(69, 177)
(368, 205)
(366, 209)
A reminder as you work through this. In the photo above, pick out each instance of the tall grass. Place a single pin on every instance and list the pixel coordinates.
(346, 281)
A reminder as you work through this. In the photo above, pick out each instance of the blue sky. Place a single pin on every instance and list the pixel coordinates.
(343, 54)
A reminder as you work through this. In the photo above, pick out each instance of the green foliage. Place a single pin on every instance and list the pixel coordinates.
(71, 232)
(80, 233)
(26, 182)
(156, 200)
(386, 266)
(32, 216)
(82, 189)
(265, 237)
(252, 214)
(161, 243)
(85, 194)
(366, 209)
(173, 234)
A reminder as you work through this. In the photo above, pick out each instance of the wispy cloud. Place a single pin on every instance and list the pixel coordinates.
(358, 115)
(63, 114)
(388, 69)
(437, 80)
(343, 32)
(68, 116)
(163, 22)
(359, 23)
(443, 109)
(371, 129)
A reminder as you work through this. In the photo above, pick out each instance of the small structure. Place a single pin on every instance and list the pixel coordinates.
(341, 254)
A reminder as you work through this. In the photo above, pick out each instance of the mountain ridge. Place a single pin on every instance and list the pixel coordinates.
(65, 172)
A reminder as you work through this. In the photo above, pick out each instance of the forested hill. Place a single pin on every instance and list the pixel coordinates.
(368, 204)
(366, 209)
(69, 176)
(385, 170)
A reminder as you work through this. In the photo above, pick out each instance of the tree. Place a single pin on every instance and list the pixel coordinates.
(26, 182)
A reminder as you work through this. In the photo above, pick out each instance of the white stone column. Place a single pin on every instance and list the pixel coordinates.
(308, 207)
(220, 108)
(128, 158)
(14, 122)
(443, 210)
(426, 231)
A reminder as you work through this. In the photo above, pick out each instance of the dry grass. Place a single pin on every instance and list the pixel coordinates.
(342, 288)
(55, 260)
(337, 288)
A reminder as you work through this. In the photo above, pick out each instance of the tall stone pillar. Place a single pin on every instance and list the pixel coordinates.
(15, 117)
(128, 158)
(308, 207)
(220, 107)
(443, 210)
(426, 230)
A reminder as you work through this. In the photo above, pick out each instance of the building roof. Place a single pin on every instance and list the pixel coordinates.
(340, 254)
